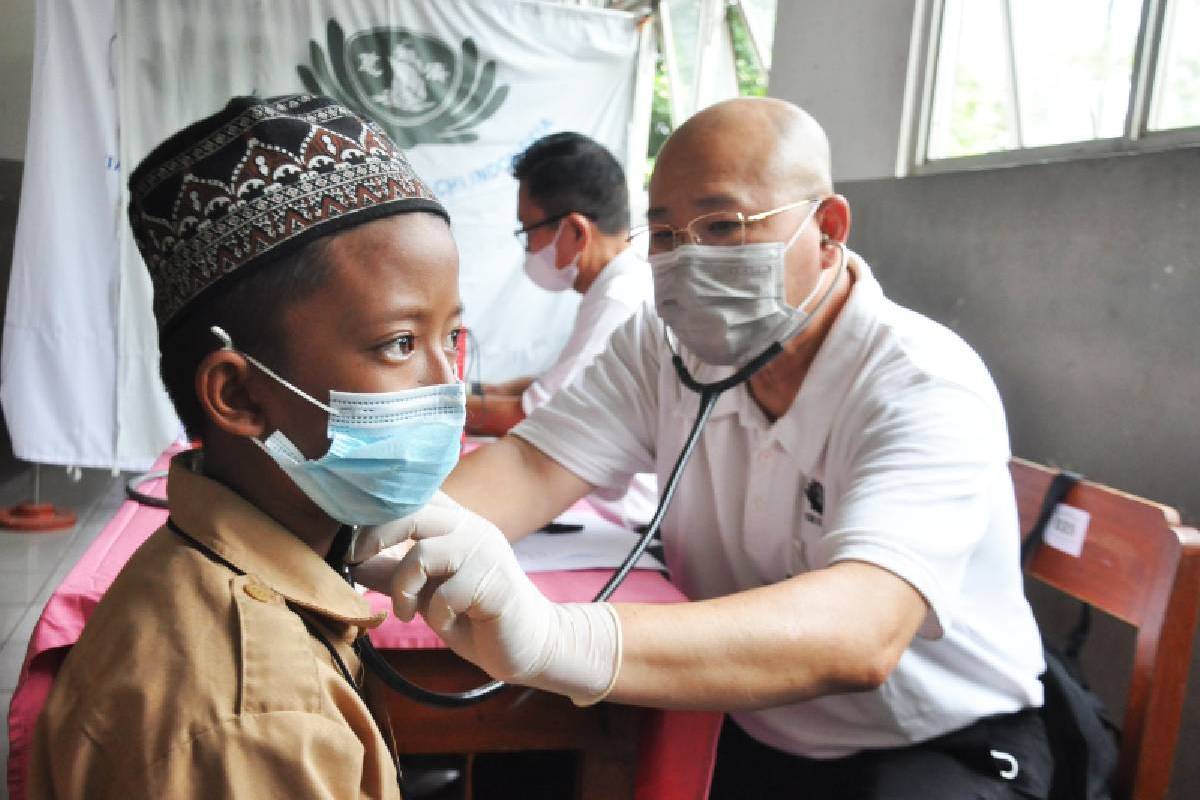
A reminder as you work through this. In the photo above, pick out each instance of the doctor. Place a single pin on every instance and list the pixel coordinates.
(846, 529)
(573, 206)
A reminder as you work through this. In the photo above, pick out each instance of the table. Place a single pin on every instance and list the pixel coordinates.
(625, 751)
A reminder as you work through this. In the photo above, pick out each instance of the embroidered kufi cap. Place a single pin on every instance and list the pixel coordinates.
(255, 182)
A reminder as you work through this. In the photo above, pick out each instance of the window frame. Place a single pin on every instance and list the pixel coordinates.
(912, 160)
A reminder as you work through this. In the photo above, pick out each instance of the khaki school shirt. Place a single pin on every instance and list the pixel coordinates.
(191, 680)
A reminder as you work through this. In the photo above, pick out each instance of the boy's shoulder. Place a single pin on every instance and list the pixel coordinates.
(180, 645)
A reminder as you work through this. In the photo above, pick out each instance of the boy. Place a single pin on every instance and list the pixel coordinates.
(306, 290)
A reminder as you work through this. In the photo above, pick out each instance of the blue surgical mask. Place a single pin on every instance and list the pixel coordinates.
(389, 451)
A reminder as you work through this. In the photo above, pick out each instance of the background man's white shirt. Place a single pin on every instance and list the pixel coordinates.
(894, 452)
(620, 289)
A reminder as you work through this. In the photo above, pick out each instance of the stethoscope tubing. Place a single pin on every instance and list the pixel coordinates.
(709, 394)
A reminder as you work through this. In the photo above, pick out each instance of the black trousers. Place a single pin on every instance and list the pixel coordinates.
(997, 758)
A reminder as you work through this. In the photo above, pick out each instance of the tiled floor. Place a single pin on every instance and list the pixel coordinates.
(33, 564)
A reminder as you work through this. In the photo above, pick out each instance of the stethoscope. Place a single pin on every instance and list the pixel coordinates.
(709, 394)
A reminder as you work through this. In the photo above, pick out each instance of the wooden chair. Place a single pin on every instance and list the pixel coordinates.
(1141, 566)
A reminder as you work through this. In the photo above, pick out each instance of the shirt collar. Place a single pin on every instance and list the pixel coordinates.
(804, 429)
(622, 263)
(687, 402)
(240, 533)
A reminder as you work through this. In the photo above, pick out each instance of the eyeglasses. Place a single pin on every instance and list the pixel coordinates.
(522, 234)
(718, 229)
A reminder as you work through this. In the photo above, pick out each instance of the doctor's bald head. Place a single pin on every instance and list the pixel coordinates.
(768, 143)
(751, 171)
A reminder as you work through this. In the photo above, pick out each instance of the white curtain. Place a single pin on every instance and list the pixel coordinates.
(58, 366)
(463, 85)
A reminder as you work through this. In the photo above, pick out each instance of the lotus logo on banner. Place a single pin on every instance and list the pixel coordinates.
(412, 84)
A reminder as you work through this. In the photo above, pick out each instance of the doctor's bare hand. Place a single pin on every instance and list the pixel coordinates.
(462, 576)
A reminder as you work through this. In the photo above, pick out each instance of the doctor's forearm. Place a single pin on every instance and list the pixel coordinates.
(514, 485)
(836, 630)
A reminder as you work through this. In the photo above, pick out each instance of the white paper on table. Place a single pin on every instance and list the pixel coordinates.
(600, 544)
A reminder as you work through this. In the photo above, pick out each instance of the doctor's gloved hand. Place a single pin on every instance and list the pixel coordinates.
(372, 540)
(376, 550)
(462, 576)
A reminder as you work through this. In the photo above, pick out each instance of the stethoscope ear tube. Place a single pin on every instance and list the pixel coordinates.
(375, 661)
(709, 393)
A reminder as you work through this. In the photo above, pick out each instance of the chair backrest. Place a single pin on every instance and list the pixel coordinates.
(1141, 566)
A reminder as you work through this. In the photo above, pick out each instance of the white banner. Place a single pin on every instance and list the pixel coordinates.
(462, 85)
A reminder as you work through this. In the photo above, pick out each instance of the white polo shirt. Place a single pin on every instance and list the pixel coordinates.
(621, 288)
(895, 452)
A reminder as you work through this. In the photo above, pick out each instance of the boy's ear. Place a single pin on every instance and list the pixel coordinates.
(224, 394)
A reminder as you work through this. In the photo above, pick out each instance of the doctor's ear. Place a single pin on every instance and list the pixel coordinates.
(833, 219)
(226, 396)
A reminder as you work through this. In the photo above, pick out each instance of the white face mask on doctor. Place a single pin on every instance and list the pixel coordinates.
(723, 298)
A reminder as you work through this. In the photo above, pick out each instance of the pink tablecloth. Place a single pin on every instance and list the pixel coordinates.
(677, 746)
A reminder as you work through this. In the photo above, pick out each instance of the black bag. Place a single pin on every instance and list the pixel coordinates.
(1083, 739)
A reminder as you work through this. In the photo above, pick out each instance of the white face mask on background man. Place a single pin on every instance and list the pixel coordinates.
(727, 304)
(539, 266)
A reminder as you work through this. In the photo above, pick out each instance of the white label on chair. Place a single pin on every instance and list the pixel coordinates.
(1067, 529)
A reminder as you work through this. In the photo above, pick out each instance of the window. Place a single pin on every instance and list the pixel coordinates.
(708, 50)
(1176, 101)
(705, 51)
(1015, 80)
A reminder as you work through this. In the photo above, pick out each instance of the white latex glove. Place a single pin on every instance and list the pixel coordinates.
(462, 576)
(377, 571)
(372, 539)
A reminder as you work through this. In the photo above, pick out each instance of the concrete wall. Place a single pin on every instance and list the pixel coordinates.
(845, 64)
(1078, 283)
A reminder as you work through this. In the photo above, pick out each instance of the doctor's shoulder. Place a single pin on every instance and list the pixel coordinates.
(638, 341)
(912, 347)
(184, 666)
(141, 680)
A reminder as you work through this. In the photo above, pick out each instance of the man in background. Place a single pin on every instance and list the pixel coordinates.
(573, 206)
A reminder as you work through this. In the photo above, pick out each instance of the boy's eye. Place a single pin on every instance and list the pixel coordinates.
(401, 347)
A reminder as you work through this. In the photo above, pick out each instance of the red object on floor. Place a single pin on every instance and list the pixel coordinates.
(36, 517)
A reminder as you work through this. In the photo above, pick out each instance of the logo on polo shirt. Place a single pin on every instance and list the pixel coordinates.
(415, 85)
(814, 492)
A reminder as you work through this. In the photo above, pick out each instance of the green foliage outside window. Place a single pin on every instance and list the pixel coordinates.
(751, 80)
(751, 77)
